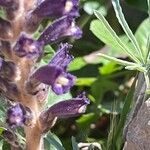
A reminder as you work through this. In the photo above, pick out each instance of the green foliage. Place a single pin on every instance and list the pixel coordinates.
(142, 35)
(74, 144)
(104, 32)
(52, 142)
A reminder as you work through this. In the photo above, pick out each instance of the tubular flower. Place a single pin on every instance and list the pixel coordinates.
(61, 28)
(57, 8)
(29, 48)
(69, 108)
(18, 115)
(50, 9)
(55, 73)
(64, 109)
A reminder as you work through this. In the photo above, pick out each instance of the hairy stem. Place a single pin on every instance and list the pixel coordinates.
(34, 138)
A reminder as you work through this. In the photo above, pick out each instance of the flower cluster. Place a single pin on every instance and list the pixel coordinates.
(21, 80)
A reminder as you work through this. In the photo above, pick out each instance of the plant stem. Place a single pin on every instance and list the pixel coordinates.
(34, 139)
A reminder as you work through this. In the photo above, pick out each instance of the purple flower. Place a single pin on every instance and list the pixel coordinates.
(18, 115)
(69, 108)
(57, 8)
(61, 28)
(64, 109)
(55, 73)
(29, 48)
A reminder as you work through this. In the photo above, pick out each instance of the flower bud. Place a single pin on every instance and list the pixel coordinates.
(29, 48)
(18, 115)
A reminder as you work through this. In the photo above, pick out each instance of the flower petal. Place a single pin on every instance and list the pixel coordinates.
(27, 47)
(68, 108)
(61, 28)
(62, 58)
(57, 8)
(47, 74)
(18, 115)
(61, 88)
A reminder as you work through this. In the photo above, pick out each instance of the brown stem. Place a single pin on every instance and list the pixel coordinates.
(34, 138)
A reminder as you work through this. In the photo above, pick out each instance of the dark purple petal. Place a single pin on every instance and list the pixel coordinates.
(63, 83)
(17, 115)
(68, 108)
(57, 8)
(60, 81)
(47, 74)
(62, 58)
(61, 28)
(27, 47)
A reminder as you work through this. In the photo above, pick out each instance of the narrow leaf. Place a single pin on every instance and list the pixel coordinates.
(104, 32)
(118, 61)
(126, 28)
(129, 65)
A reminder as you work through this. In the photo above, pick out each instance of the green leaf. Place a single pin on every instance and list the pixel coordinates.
(90, 6)
(53, 98)
(128, 65)
(2, 13)
(85, 81)
(74, 143)
(118, 61)
(110, 68)
(142, 34)
(6, 146)
(53, 141)
(1, 130)
(104, 32)
(49, 53)
(1, 144)
(86, 119)
(125, 111)
(127, 30)
(100, 86)
(77, 64)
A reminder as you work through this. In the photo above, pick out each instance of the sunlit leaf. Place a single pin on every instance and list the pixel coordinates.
(104, 32)
(127, 30)
(142, 34)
